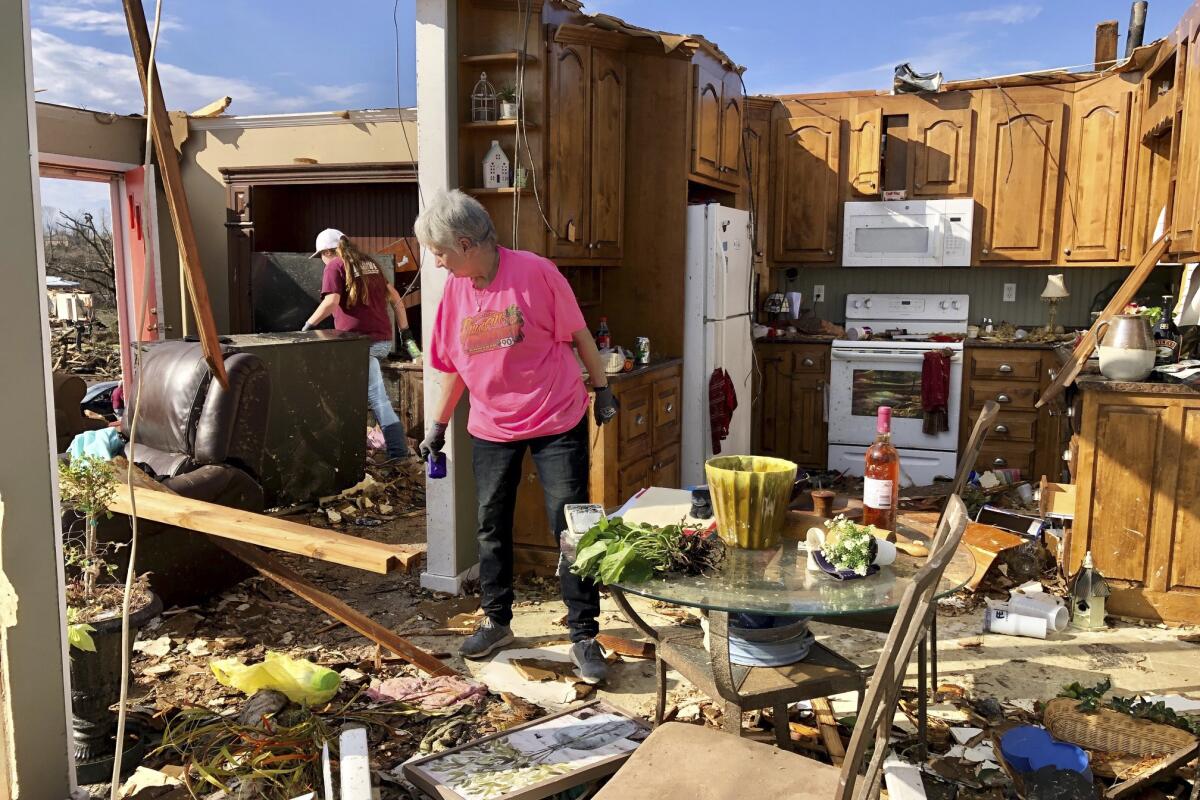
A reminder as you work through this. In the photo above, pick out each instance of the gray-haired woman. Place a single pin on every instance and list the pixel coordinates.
(504, 330)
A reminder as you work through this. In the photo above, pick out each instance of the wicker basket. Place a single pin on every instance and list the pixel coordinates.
(1111, 731)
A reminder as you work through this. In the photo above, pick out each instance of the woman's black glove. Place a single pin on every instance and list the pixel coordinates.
(434, 441)
(606, 405)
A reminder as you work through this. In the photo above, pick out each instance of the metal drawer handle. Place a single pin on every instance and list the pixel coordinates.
(808, 362)
(1003, 398)
(639, 420)
(1001, 429)
(670, 407)
(1004, 368)
(999, 462)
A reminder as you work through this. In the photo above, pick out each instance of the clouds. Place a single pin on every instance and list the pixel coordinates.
(1012, 14)
(87, 17)
(92, 77)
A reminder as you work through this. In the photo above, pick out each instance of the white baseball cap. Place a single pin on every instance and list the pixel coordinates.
(327, 240)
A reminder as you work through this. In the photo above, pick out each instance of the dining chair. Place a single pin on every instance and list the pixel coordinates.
(679, 761)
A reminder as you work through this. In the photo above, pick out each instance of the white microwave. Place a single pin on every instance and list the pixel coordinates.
(908, 233)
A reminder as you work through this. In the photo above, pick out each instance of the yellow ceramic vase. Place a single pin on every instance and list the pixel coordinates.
(750, 496)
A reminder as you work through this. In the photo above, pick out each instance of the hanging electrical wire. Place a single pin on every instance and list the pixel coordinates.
(135, 409)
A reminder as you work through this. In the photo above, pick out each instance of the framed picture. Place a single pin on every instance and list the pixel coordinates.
(535, 760)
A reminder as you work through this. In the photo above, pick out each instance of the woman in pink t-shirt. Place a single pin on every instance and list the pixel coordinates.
(505, 330)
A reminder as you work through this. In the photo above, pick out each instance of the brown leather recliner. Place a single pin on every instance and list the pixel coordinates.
(204, 442)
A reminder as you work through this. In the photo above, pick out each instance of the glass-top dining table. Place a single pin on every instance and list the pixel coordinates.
(777, 582)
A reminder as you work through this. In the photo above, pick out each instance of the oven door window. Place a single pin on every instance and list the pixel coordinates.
(898, 388)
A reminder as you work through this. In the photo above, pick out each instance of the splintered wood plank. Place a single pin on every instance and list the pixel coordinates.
(177, 202)
(259, 529)
(269, 567)
(828, 726)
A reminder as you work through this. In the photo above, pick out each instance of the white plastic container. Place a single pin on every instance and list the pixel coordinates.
(1000, 619)
(1042, 606)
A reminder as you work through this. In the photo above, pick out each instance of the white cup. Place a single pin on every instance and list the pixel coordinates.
(1000, 619)
(885, 552)
(1041, 606)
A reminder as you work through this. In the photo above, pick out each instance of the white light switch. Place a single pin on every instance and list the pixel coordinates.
(819, 293)
(1010, 293)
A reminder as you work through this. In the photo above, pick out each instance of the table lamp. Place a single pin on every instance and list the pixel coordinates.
(1055, 290)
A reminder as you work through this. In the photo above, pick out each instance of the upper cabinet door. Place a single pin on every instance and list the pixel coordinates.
(939, 151)
(608, 152)
(1094, 190)
(1185, 214)
(866, 132)
(731, 128)
(1019, 167)
(570, 149)
(806, 189)
(706, 123)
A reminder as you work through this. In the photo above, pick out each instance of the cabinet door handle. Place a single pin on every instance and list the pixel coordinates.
(640, 419)
(1003, 398)
(999, 462)
(1001, 429)
(670, 408)
(1004, 368)
(808, 362)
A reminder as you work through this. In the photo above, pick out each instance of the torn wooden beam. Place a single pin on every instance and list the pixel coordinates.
(214, 109)
(259, 529)
(828, 726)
(269, 567)
(177, 202)
(1106, 44)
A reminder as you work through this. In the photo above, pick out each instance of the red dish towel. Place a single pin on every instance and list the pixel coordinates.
(935, 391)
(722, 400)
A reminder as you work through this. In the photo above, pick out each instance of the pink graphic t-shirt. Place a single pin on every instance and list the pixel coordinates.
(511, 343)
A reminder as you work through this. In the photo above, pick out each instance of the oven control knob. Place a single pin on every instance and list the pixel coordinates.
(867, 302)
(857, 303)
(954, 304)
(944, 304)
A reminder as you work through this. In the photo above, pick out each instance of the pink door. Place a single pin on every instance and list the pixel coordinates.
(136, 264)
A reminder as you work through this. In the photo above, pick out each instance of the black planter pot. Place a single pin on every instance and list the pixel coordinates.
(96, 686)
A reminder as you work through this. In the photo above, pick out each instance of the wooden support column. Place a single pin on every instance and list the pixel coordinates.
(1106, 44)
(35, 748)
(177, 202)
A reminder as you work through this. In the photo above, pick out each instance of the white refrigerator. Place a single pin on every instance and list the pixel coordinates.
(717, 317)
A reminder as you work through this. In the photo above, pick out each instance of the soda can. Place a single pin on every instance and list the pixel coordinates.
(641, 351)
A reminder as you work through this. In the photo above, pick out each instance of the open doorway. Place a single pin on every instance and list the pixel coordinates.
(98, 221)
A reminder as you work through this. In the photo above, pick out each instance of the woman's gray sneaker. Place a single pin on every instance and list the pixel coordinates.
(488, 638)
(588, 656)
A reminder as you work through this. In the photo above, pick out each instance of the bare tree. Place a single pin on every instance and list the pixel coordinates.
(80, 249)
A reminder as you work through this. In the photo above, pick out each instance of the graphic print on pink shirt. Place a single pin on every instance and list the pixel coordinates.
(492, 330)
(511, 345)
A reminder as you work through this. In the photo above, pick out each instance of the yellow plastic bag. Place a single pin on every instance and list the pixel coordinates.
(302, 681)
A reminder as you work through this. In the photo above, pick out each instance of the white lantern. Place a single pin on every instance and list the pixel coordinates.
(495, 167)
(483, 100)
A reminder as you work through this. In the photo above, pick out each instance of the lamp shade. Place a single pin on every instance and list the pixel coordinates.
(1055, 288)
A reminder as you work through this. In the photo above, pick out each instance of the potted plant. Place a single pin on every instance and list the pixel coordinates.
(507, 97)
(94, 602)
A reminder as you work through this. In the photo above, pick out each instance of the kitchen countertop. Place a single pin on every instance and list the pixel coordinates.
(799, 338)
(1016, 345)
(651, 367)
(1099, 383)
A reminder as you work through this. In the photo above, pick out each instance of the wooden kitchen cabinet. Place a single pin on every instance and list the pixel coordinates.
(1137, 497)
(1094, 198)
(756, 140)
(1185, 219)
(586, 185)
(717, 115)
(806, 180)
(866, 143)
(790, 414)
(1018, 168)
(1023, 437)
(640, 448)
(939, 151)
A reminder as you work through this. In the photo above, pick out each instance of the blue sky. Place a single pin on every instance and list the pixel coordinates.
(279, 56)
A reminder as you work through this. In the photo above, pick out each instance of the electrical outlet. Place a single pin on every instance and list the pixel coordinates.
(819, 293)
(1010, 293)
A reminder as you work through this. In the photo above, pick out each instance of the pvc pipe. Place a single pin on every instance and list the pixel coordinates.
(1000, 619)
(1042, 606)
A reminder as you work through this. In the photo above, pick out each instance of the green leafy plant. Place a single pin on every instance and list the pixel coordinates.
(614, 551)
(1153, 314)
(1157, 711)
(848, 544)
(87, 485)
(1088, 696)
(507, 94)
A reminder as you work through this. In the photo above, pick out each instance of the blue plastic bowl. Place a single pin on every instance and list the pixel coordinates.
(1020, 745)
(1061, 755)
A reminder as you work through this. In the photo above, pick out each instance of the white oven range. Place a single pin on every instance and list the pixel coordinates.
(885, 369)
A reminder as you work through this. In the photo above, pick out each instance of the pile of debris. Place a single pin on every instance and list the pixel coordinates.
(84, 349)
